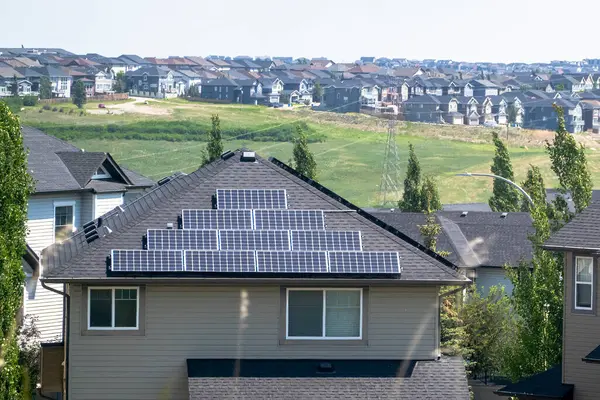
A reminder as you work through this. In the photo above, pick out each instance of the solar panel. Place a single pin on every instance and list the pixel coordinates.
(254, 240)
(251, 198)
(146, 261)
(289, 219)
(326, 240)
(178, 239)
(217, 219)
(368, 262)
(291, 261)
(219, 261)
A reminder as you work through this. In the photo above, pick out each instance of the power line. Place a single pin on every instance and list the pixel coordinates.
(390, 176)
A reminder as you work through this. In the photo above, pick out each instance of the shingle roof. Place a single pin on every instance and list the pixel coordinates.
(56, 165)
(476, 239)
(76, 259)
(583, 232)
(430, 380)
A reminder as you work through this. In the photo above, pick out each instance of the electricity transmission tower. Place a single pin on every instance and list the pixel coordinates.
(389, 189)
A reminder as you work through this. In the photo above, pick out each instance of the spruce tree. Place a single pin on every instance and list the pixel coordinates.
(304, 160)
(569, 163)
(15, 188)
(411, 198)
(45, 88)
(505, 197)
(214, 148)
(430, 197)
(78, 94)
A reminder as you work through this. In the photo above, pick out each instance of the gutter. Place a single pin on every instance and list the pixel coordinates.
(66, 331)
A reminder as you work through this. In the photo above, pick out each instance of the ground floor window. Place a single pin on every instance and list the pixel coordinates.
(113, 308)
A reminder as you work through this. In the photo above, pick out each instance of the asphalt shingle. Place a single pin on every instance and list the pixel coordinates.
(583, 232)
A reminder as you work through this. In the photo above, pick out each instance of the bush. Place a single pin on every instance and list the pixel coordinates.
(61, 110)
(46, 107)
(14, 103)
(81, 113)
(40, 111)
(54, 109)
(70, 111)
(30, 101)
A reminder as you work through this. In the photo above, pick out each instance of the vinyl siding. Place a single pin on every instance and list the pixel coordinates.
(105, 202)
(579, 338)
(87, 207)
(487, 277)
(47, 308)
(210, 322)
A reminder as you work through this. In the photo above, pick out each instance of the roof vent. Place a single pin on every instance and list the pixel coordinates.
(169, 225)
(90, 231)
(226, 155)
(325, 368)
(464, 214)
(248, 156)
(503, 215)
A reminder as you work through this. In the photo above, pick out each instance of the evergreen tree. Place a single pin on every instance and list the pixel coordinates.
(569, 163)
(15, 188)
(45, 88)
(78, 94)
(14, 87)
(120, 83)
(534, 187)
(505, 197)
(215, 143)
(411, 198)
(304, 160)
(317, 92)
(430, 198)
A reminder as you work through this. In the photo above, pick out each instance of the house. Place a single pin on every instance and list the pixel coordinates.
(425, 108)
(271, 88)
(342, 97)
(576, 377)
(499, 109)
(222, 88)
(465, 88)
(190, 78)
(479, 242)
(591, 115)
(567, 82)
(540, 114)
(482, 88)
(103, 82)
(59, 78)
(469, 107)
(137, 61)
(152, 81)
(370, 94)
(245, 315)
(72, 187)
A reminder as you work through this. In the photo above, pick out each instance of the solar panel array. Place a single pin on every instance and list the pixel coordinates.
(252, 231)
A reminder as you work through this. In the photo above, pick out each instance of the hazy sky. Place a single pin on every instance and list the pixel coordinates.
(496, 30)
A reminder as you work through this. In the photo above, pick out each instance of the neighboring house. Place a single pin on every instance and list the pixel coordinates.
(567, 82)
(271, 88)
(482, 88)
(540, 114)
(469, 107)
(576, 378)
(152, 79)
(591, 115)
(222, 88)
(342, 97)
(61, 81)
(72, 187)
(481, 243)
(191, 78)
(465, 88)
(135, 61)
(499, 109)
(265, 305)
(425, 108)
(103, 82)
(485, 110)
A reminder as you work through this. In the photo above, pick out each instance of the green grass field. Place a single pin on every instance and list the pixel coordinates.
(349, 160)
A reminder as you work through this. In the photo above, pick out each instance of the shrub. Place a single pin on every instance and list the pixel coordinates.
(30, 101)
(40, 111)
(81, 113)
(61, 110)
(54, 109)
(46, 107)
(71, 111)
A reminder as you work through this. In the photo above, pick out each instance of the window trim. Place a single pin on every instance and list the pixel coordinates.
(113, 302)
(575, 283)
(103, 175)
(66, 203)
(324, 317)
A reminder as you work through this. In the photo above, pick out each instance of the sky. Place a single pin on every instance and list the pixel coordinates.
(465, 30)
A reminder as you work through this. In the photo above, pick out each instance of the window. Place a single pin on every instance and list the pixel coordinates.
(584, 278)
(324, 314)
(64, 220)
(101, 173)
(113, 308)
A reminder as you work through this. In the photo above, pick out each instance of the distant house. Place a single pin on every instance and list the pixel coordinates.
(591, 115)
(540, 114)
(246, 91)
(499, 109)
(451, 115)
(424, 108)
(271, 88)
(465, 88)
(469, 107)
(61, 81)
(103, 82)
(190, 78)
(135, 61)
(567, 82)
(483, 88)
(342, 97)
(152, 80)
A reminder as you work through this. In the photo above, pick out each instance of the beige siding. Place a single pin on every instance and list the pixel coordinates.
(47, 308)
(210, 322)
(580, 337)
(105, 202)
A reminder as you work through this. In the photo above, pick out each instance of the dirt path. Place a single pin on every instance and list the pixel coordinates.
(140, 105)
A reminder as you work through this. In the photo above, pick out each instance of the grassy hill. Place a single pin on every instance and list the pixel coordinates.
(162, 137)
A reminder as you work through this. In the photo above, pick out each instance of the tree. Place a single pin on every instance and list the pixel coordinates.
(45, 88)
(215, 143)
(317, 92)
(193, 91)
(120, 83)
(15, 187)
(430, 198)
(14, 87)
(511, 114)
(411, 198)
(534, 187)
(569, 163)
(505, 197)
(559, 86)
(304, 160)
(78, 94)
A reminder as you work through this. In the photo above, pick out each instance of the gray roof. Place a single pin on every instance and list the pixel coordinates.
(476, 239)
(466, 207)
(483, 83)
(430, 380)
(56, 165)
(77, 259)
(583, 232)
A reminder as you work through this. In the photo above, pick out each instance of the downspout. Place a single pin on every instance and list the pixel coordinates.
(66, 331)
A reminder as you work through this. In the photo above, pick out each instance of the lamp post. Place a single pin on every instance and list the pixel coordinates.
(503, 179)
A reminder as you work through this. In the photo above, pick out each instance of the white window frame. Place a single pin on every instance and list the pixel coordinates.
(324, 317)
(112, 308)
(103, 175)
(71, 203)
(591, 284)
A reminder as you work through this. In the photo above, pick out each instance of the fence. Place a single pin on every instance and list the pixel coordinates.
(99, 97)
(152, 95)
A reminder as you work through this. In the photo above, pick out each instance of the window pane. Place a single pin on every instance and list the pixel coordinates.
(584, 295)
(584, 270)
(100, 308)
(305, 310)
(342, 314)
(125, 308)
(63, 222)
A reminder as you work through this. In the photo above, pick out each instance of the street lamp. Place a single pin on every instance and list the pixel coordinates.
(503, 179)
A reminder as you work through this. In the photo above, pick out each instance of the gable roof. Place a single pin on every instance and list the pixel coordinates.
(582, 233)
(58, 166)
(473, 240)
(76, 259)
